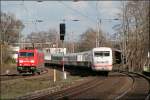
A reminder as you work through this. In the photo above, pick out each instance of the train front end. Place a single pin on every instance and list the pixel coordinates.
(102, 59)
(26, 61)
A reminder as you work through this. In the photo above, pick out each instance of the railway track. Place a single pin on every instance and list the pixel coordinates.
(139, 81)
(120, 86)
(13, 76)
(83, 90)
(117, 86)
(75, 91)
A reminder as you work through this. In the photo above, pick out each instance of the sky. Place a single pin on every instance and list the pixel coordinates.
(52, 13)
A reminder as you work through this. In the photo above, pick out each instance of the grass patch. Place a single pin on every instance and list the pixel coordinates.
(13, 88)
(10, 60)
(10, 67)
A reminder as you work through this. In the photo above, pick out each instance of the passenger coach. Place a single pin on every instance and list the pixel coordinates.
(100, 59)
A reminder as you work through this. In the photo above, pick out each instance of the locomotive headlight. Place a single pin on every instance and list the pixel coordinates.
(32, 61)
(20, 61)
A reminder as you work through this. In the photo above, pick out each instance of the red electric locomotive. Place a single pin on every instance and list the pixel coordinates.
(30, 61)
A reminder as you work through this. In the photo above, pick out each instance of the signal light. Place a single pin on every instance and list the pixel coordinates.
(62, 28)
(62, 31)
(61, 37)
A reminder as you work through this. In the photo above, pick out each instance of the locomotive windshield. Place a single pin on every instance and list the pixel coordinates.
(101, 53)
(26, 54)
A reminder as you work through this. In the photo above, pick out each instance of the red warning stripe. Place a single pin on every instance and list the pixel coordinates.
(102, 65)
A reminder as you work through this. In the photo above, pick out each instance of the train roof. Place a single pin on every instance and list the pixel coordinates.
(94, 49)
(101, 48)
(27, 50)
(106, 48)
(30, 50)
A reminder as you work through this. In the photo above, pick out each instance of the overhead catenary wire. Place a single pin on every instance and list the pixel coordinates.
(81, 14)
(90, 20)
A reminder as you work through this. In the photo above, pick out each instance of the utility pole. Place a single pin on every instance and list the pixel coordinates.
(19, 41)
(124, 58)
(1, 54)
(98, 32)
(72, 47)
(149, 47)
(1, 43)
(1, 38)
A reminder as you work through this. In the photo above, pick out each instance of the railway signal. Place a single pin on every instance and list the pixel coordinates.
(62, 35)
(62, 31)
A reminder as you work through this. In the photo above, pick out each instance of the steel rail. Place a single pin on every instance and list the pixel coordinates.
(73, 90)
(133, 83)
(79, 90)
(129, 89)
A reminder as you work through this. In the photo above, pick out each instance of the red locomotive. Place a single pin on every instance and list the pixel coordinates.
(30, 60)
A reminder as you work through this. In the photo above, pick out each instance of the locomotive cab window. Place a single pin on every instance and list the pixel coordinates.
(106, 53)
(26, 54)
(98, 54)
(101, 53)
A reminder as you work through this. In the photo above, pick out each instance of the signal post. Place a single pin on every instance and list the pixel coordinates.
(62, 35)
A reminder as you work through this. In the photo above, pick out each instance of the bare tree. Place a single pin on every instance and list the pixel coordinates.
(10, 28)
(134, 32)
(88, 40)
(50, 37)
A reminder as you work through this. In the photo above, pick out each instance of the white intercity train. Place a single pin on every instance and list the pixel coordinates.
(98, 59)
